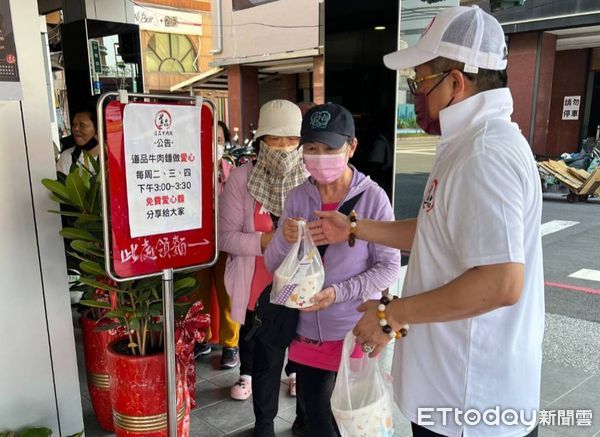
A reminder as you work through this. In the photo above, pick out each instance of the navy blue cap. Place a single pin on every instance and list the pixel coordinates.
(330, 124)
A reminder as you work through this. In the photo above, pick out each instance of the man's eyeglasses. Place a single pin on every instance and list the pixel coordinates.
(413, 84)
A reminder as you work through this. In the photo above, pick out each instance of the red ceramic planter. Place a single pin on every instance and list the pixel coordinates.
(95, 345)
(137, 391)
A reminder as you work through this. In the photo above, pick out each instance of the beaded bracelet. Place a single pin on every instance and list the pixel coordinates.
(353, 223)
(387, 329)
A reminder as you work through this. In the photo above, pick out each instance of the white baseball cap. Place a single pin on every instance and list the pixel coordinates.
(462, 33)
(280, 118)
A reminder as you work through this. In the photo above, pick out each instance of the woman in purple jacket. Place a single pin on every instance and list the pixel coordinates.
(250, 205)
(352, 274)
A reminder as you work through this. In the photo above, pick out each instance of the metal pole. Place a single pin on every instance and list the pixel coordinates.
(169, 326)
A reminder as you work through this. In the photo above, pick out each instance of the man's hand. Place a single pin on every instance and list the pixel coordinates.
(321, 300)
(291, 229)
(368, 330)
(334, 227)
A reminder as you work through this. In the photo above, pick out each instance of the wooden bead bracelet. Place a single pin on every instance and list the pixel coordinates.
(353, 223)
(385, 326)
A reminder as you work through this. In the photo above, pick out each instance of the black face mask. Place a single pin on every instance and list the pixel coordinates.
(78, 150)
(90, 144)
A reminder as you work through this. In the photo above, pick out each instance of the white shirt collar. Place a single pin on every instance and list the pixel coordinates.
(456, 119)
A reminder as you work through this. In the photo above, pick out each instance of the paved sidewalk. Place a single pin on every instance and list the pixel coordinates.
(568, 382)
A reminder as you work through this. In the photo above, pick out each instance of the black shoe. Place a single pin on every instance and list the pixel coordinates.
(202, 349)
(299, 428)
(229, 358)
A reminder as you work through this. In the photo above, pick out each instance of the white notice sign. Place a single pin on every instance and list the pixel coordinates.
(162, 165)
(571, 107)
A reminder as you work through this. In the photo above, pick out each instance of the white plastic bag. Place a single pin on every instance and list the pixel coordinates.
(362, 401)
(300, 276)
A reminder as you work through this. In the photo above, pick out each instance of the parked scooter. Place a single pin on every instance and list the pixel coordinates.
(242, 153)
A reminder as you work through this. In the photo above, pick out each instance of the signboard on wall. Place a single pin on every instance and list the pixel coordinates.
(168, 20)
(571, 107)
(10, 85)
(245, 4)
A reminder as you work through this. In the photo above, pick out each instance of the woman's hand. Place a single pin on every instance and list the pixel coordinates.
(334, 227)
(265, 239)
(290, 229)
(321, 300)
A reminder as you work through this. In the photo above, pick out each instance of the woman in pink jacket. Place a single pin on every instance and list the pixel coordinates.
(250, 206)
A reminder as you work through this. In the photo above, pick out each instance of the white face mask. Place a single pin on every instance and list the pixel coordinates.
(220, 151)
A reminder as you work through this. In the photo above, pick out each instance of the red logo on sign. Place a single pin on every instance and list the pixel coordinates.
(429, 199)
(11, 59)
(162, 120)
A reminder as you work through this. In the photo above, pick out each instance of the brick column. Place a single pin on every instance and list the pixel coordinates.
(319, 79)
(289, 87)
(242, 82)
(530, 73)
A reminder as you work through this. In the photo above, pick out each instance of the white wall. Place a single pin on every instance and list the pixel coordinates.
(38, 370)
(120, 11)
(241, 40)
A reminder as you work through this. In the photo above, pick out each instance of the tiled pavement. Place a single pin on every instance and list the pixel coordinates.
(563, 387)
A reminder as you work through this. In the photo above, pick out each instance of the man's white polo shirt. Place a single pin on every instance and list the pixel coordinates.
(482, 205)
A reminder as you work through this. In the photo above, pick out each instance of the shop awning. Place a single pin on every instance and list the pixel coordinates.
(210, 79)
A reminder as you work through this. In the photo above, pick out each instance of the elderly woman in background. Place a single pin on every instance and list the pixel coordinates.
(352, 274)
(83, 137)
(250, 206)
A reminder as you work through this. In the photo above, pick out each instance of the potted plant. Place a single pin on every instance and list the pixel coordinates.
(130, 310)
(78, 195)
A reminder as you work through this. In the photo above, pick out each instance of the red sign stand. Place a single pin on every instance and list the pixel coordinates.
(134, 257)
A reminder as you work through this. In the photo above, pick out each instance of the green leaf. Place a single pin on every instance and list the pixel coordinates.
(36, 432)
(56, 187)
(94, 303)
(78, 234)
(87, 248)
(108, 326)
(119, 313)
(92, 268)
(134, 323)
(88, 217)
(62, 201)
(188, 282)
(95, 227)
(93, 198)
(148, 283)
(93, 161)
(76, 189)
(98, 284)
(78, 256)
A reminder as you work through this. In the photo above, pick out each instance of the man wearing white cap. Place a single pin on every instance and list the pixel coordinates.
(474, 291)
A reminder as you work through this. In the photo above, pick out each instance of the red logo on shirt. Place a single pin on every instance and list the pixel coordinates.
(429, 199)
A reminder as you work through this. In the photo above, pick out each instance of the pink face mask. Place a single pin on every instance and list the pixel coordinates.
(325, 168)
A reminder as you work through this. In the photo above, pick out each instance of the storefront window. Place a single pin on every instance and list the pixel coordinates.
(171, 53)
(415, 150)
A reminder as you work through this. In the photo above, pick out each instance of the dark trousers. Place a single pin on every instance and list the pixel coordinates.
(314, 387)
(246, 346)
(419, 431)
(266, 378)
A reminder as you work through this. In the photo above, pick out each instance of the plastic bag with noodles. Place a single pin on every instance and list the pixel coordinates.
(300, 276)
(362, 401)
